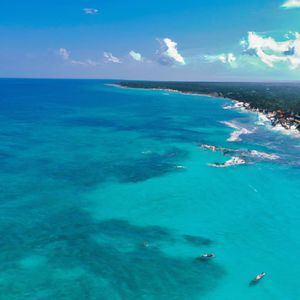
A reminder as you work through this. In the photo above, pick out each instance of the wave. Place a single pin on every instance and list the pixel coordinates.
(264, 119)
(249, 156)
(230, 124)
(180, 167)
(210, 147)
(236, 135)
(234, 161)
(235, 105)
(293, 131)
(263, 155)
(147, 152)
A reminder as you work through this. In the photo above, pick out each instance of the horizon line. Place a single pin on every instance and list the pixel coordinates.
(150, 80)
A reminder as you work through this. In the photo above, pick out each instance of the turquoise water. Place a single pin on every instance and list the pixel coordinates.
(106, 194)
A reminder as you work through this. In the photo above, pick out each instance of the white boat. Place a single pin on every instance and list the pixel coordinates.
(257, 278)
(207, 256)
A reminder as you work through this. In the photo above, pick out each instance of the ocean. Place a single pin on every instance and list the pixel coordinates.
(106, 193)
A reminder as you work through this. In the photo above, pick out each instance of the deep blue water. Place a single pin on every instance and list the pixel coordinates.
(106, 194)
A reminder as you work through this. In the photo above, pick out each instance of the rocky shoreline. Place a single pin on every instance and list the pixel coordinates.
(286, 120)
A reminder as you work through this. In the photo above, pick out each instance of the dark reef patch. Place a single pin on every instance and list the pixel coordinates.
(150, 166)
(124, 229)
(89, 173)
(159, 128)
(90, 122)
(197, 240)
(66, 241)
(5, 154)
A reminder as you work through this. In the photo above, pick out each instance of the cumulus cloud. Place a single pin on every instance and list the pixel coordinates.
(291, 4)
(270, 51)
(168, 53)
(110, 58)
(64, 53)
(136, 56)
(66, 56)
(225, 58)
(261, 50)
(90, 11)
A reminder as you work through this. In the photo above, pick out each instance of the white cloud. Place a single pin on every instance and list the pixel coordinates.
(173, 52)
(224, 58)
(110, 58)
(87, 62)
(256, 41)
(295, 58)
(91, 11)
(291, 4)
(270, 51)
(64, 53)
(231, 58)
(260, 50)
(136, 56)
(168, 54)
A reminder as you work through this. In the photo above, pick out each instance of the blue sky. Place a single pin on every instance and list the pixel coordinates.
(158, 39)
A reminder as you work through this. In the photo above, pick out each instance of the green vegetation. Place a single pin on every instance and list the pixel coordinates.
(266, 97)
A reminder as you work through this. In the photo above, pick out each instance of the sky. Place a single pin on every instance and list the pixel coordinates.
(211, 40)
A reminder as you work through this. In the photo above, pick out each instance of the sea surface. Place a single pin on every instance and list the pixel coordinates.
(106, 193)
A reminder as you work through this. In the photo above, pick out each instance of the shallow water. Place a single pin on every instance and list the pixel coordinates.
(106, 194)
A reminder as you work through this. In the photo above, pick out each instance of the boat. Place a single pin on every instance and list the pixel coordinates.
(207, 256)
(257, 278)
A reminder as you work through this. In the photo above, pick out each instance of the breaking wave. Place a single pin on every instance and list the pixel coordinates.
(263, 155)
(231, 162)
(239, 131)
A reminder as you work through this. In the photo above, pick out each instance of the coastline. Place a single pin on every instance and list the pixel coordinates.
(277, 120)
(286, 123)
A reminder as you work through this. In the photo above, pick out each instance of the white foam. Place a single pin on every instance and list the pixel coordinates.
(228, 107)
(236, 135)
(147, 152)
(235, 105)
(209, 147)
(231, 162)
(293, 131)
(180, 167)
(263, 119)
(255, 153)
(230, 124)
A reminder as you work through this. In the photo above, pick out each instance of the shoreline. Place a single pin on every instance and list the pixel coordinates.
(286, 123)
(278, 120)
